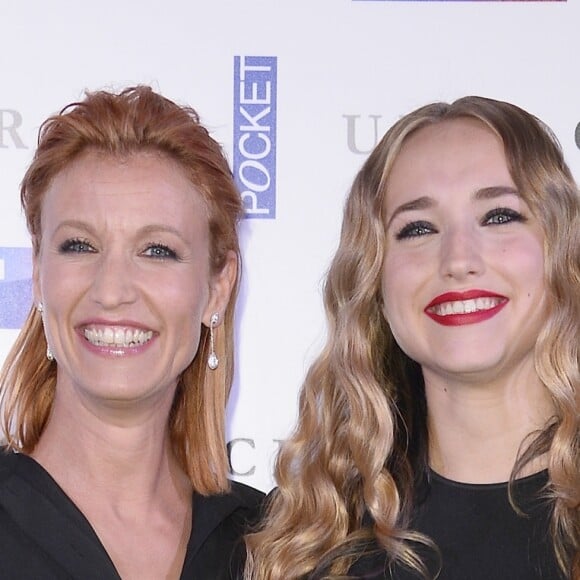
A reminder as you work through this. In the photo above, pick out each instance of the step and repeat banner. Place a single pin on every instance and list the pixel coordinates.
(298, 92)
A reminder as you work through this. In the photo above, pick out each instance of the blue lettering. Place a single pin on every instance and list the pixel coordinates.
(255, 81)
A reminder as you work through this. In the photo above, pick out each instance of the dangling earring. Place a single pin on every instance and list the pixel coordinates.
(49, 355)
(212, 359)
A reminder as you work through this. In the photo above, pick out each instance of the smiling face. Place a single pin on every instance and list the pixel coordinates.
(123, 274)
(463, 276)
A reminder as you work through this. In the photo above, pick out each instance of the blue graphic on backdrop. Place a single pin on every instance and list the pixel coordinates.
(255, 93)
(15, 286)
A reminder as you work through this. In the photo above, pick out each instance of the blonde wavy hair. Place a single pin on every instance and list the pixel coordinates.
(360, 445)
(135, 120)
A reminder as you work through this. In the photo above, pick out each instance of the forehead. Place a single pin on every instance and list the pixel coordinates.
(143, 185)
(445, 139)
(458, 153)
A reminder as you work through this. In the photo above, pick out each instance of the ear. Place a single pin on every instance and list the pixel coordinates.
(221, 287)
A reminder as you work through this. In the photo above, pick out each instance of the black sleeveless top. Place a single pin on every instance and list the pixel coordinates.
(478, 533)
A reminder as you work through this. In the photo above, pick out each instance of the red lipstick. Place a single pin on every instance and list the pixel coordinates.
(478, 306)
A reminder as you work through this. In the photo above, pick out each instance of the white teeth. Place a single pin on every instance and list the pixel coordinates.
(465, 306)
(120, 337)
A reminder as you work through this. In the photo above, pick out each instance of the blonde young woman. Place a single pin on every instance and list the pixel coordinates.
(438, 433)
(113, 397)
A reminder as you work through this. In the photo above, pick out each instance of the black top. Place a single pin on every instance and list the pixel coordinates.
(478, 533)
(44, 536)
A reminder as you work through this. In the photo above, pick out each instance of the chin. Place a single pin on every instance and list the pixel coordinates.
(469, 365)
(122, 391)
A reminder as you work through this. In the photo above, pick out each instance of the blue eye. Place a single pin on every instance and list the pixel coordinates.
(160, 251)
(415, 230)
(502, 215)
(76, 246)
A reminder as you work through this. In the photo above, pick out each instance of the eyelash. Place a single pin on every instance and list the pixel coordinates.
(505, 214)
(162, 252)
(415, 230)
(76, 246)
(81, 246)
(496, 217)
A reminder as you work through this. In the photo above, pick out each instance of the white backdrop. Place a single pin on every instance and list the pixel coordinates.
(346, 70)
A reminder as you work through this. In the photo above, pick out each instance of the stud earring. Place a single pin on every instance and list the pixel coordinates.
(40, 307)
(212, 360)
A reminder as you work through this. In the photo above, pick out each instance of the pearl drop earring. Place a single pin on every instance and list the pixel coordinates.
(40, 310)
(212, 360)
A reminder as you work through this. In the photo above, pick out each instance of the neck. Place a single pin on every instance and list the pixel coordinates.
(122, 457)
(476, 431)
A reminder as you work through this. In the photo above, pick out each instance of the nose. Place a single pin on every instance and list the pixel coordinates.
(114, 282)
(461, 253)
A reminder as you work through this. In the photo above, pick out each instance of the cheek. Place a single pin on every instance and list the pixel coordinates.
(527, 260)
(53, 291)
(185, 299)
(398, 319)
(534, 283)
(406, 276)
(403, 276)
(395, 290)
(181, 303)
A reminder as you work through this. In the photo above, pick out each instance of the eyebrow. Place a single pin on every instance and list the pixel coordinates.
(144, 231)
(78, 224)
(495, 191)
(426, 202)
(156, 228)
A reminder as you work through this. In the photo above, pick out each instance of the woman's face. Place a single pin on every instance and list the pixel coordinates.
(463, 277)
(123, 274)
